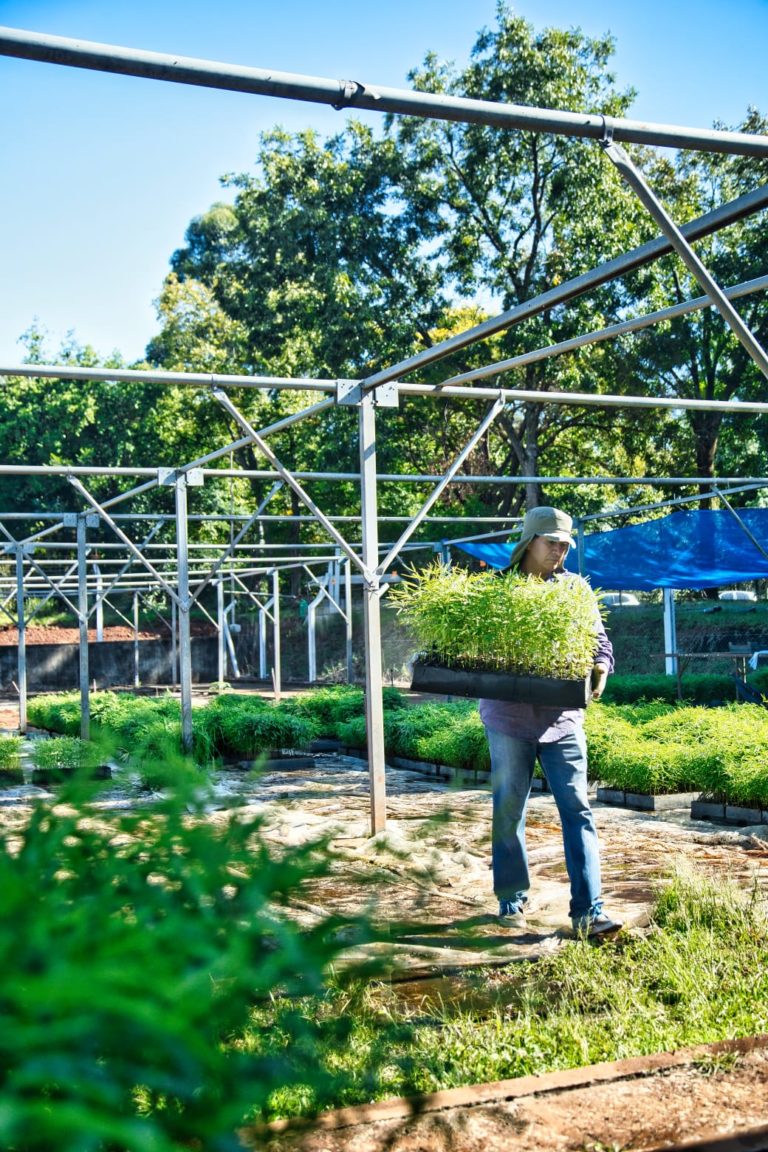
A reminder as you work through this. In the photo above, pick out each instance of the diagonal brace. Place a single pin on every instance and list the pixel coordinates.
(232, 546)
(437, 492)
(76, 484)
(637, 182)
(719, 493)
(290, 480)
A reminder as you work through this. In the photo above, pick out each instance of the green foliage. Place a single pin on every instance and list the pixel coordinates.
(58, 712)
(326, 708)
(506, 622)
(330, 709)
(698, 689)
(10, 752)
(657, 749)
(242, 730)
(451, 734)
(67, 753)
(148, 939)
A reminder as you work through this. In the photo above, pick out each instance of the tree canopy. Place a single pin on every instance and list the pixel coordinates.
(337, 257)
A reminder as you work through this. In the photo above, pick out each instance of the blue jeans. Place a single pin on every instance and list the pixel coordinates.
(564, 764)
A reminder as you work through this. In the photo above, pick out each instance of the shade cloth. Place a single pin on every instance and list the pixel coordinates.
(691, 549)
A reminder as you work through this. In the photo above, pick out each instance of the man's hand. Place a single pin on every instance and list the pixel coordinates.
(599, 680)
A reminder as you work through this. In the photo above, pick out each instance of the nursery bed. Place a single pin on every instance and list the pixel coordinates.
(646, 801)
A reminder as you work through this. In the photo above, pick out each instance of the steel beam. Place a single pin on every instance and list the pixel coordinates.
(82, 622)
(136, 679)
(183, 600)
(289, 478)
(344, 94)
(21, 659)
(712, 221)
(626, 327)
(277, 673)
(220, 645)
(104, 515)
(435, 495)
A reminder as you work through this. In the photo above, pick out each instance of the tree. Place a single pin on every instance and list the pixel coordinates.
(314, 270)
(698, 356)
(515, 213)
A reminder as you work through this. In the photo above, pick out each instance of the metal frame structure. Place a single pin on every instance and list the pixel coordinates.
(382, 389)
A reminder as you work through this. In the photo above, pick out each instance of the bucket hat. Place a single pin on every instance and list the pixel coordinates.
(548, 522)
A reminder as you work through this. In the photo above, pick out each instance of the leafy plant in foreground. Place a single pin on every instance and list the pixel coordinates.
(148, 939)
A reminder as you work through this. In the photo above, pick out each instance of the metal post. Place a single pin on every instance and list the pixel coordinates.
(263, 641)
(22, 629)
(222, 625)
(99, 604)
(276, 671)
(312, 625)
(82, 621)
(174, 643)
(670, 633)
(185, 643)
(374, 705)
(312, 640)
(136, 680)
(348, 620)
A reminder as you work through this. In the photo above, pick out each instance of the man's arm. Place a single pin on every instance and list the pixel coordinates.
(603, 662)
(599, 680)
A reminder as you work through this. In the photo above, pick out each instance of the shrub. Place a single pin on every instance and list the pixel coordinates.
(327, 708)
(460, 744)
(10, 752)
(699, 689)
(506, 622)
(66, 753)
(147, 941)
(56, 713)
(656, 748)
(250, 733)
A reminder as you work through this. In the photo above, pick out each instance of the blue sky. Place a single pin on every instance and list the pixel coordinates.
(102, 174)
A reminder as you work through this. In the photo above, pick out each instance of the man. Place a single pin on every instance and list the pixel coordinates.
(519, 734)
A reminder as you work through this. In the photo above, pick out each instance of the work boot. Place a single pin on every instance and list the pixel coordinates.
(595, 924)
(512, 913)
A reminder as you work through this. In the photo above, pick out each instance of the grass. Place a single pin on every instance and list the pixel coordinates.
(697, 976)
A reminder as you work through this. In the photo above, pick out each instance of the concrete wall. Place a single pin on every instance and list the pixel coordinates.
(55, 667)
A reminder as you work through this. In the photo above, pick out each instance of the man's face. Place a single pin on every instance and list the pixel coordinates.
(543, 556)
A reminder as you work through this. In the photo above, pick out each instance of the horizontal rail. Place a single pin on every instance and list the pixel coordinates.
(343, 94)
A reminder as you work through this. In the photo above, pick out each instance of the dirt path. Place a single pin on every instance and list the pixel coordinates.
(669, 1101)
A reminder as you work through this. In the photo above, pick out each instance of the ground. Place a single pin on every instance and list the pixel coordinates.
(658, 1103)
(53, 634)
(439, 878)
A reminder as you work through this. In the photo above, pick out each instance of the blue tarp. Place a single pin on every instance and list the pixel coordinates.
(702, 549)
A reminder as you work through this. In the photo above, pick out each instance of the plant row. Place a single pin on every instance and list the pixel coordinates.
(659, 748)
(653, 746)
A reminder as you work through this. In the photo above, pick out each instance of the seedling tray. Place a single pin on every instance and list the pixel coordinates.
(444, 681)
